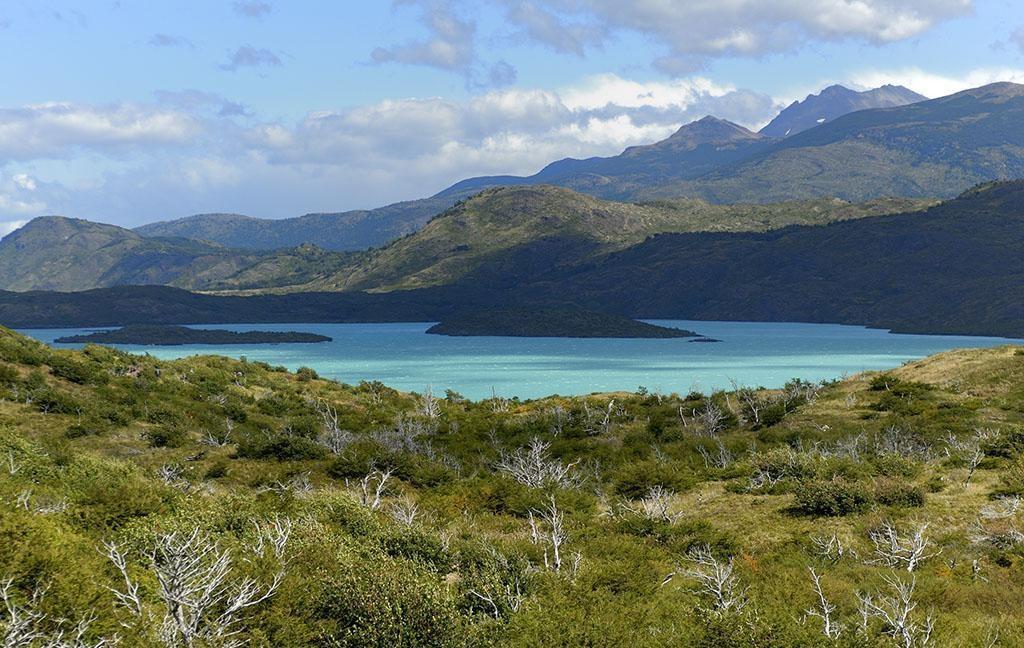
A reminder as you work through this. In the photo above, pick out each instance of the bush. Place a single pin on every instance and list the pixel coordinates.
(166, 436)
(386, 605)
(831, 498)
(54, 401)
(280, 447)
(306, 374)
(891, 492)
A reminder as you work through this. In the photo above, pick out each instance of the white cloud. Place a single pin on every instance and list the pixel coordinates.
(693, 31)
(133, 163)
(935, 85)
(6, 227)
(56, 129)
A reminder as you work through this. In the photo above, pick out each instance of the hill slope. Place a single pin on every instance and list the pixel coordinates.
(954, 268)
(343, 231)
(56, 253)
(451, 245)
(834, 102)
(359, 515)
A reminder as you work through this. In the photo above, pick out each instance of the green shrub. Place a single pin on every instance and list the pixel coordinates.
(166, 436)
(893, 492)
(306, 374)
(280, 447)
(831, 498)
(386, 606)
(54, 401)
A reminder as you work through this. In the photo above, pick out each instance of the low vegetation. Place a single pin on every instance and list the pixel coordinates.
(219, 502)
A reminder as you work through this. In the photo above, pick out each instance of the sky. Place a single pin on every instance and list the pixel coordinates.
(135, 111)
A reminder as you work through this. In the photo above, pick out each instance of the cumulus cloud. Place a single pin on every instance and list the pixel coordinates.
(936, 85)
(450, 45)
(249, 56)
(252, 8)
(181, 154)
(693, 32)
(54, 130)
(561, 34)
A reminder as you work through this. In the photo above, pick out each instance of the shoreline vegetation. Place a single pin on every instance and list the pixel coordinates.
(160, 335)
(359, 515)
(557, 323)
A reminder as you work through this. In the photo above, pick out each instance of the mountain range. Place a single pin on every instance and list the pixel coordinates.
(64, 254)
(907, 263)
(852, 145)
(952, 268)
(834, 102)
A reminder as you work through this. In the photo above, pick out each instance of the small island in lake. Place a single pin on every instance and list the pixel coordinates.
(564, 323)
(157, 335)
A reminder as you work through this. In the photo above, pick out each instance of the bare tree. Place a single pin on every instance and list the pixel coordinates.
(430, 408)
(372, 488)
(550, 533)
(601, 421)
(832, 548)
(894, 549)
(203, 604)
(533, 466)
(721, 457)
(405, 511)
(708, 421)
(656, 505)
(824, 609)
(331, 435)
(23, 625)
(12, 464)
(971, 451)
(716, 580)
(896, 611)
(560, 417)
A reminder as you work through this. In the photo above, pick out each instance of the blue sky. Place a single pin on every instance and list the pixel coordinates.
(131, 111)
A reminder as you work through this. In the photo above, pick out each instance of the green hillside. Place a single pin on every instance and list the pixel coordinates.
(342, 231)
(456, 242)
(55, 253)
(361, 516)
(65, 254)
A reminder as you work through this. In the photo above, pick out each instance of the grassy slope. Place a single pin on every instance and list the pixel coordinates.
(496, 220)
(66, 254)
(357, 577)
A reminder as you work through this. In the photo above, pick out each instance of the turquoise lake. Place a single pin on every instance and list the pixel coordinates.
(404, 357)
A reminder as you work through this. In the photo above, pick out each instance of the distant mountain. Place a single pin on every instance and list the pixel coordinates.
(695, 149)
(934, 148)
(459, 240)
(930, 148)
(56, 253)
(954, 268)
(343, 231)
(834, 102)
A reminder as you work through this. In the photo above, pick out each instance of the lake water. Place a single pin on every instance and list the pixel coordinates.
(751, 354)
